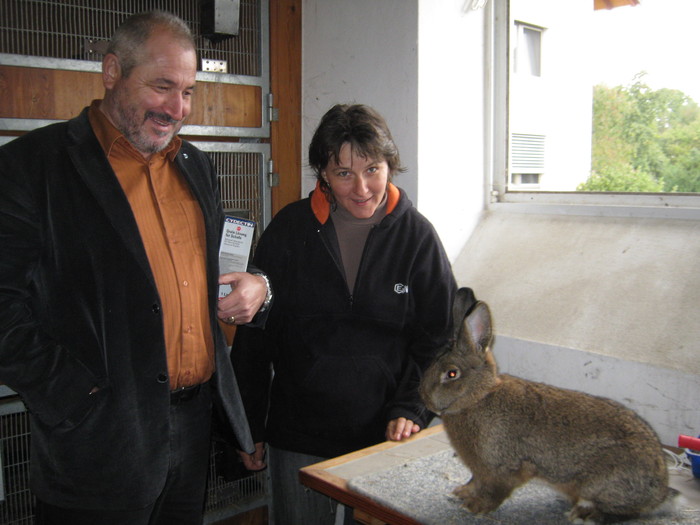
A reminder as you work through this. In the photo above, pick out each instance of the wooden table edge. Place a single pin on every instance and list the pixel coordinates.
(317, 477)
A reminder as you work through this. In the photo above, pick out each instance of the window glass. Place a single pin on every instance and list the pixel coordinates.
(603, 100)
(528, 59)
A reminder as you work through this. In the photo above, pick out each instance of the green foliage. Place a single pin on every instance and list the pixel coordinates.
(644, 140)
(682, 147)
(621, 180)
(610, 146)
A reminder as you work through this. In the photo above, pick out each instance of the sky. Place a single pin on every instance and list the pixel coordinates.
(657, 36)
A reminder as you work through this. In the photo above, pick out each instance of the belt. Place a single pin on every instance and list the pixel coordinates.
(180, 395)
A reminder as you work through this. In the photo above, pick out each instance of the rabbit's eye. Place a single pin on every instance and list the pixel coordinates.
(452, 374)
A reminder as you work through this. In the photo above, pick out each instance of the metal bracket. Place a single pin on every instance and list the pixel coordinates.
(273, 114)
(273, 179)
(214, 66)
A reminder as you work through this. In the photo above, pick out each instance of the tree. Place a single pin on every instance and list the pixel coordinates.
(610, 147)
(644, 140)
(682, 148)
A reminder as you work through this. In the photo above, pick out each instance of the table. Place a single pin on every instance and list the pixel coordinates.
(385, 472)
(331, 477)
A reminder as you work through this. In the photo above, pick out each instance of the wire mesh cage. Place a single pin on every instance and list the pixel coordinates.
(17, 505)
(231, 487)
(230, 490)
(239, 184)
(70, 29)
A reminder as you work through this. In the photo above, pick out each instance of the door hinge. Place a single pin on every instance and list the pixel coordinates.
(273, 179)
(273, 114)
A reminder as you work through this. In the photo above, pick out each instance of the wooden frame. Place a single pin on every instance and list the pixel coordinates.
(327, 478)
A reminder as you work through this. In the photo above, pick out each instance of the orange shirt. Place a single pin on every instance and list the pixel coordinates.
(172, 230)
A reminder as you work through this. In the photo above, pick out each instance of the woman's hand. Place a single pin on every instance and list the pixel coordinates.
(400, 429)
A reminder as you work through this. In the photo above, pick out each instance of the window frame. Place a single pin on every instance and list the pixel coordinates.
(497, 145)
(523, 45)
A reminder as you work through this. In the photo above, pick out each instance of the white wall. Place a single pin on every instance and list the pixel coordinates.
(451, 106)
(362, 51)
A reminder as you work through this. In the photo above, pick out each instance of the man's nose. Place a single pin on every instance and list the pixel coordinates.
(178, 106)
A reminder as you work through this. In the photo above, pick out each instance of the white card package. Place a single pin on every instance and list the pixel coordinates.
(234, 251)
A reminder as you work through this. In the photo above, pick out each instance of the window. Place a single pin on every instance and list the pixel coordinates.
(590, 103)
(528, 59)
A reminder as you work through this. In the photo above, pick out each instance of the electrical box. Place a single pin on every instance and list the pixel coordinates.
(220, 19)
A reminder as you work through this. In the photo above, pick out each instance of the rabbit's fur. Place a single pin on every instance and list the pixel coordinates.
(507, 430)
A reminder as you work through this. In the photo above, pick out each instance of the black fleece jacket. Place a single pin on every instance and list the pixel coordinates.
(345, 361)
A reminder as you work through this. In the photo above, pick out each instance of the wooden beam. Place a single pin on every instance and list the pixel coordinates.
(285, 82)
(56, 94)
(610, 4)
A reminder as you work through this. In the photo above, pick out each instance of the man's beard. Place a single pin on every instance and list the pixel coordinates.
(135, 133)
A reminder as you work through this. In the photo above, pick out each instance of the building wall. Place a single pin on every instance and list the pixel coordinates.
(452, 105)
(364, 51)
(558, 103)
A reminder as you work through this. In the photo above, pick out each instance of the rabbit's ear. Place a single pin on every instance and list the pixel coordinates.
(478, 326)
(464, 300)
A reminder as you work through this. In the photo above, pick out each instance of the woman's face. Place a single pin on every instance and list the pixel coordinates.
(357, 183)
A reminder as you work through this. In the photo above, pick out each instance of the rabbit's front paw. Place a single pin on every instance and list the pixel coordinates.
(475, 502)
(464, 491)
(585, 513)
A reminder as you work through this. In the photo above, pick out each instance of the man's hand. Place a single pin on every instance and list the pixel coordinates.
(247, 295)
(256, 460)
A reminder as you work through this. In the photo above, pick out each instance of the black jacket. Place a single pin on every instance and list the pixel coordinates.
(345, 362)
(79, 308)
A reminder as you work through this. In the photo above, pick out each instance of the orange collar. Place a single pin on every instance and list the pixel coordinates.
(107, 134)
(321, 206)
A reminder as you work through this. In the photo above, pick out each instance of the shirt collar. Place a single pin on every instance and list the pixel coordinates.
(107, 134)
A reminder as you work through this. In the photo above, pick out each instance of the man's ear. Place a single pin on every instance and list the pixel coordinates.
(111, 70)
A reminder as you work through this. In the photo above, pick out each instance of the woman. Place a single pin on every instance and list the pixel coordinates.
(363, 294)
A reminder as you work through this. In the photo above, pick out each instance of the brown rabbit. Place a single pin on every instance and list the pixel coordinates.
(507, 430)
